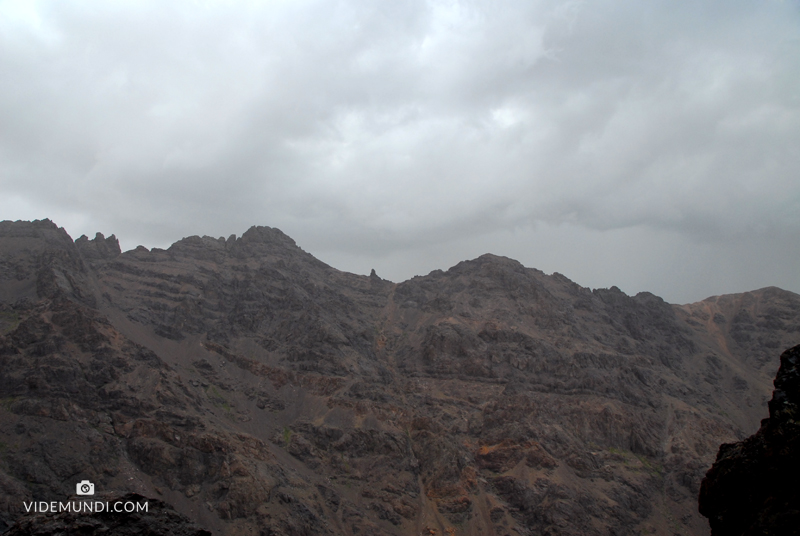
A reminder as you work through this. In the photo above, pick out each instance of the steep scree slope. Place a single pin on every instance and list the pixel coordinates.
(259, 391)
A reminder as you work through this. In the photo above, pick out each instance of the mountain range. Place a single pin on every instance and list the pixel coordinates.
(258, 391)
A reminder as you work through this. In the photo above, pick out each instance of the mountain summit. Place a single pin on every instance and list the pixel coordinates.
(258, 390)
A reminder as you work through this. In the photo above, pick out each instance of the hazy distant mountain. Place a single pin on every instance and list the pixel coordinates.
(259, 391)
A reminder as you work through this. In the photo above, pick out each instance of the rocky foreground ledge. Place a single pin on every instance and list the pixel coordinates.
(754, 486)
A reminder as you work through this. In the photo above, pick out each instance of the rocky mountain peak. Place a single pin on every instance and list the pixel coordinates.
(33, 232)
(256, 243)
(35, 258)
(487, 264)
(99, 247)
(259, 391)
(266, 235)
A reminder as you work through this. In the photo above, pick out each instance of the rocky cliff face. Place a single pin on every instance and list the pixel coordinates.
(259, 391)
(752, 488)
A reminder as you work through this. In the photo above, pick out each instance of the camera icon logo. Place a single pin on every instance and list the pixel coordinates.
(84, 487)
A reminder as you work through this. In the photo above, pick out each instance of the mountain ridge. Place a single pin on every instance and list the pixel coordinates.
(483, 399)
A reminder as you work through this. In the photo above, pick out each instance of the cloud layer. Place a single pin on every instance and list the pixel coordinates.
(654, 145)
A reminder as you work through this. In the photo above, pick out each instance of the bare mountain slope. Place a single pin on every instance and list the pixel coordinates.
(260, 391)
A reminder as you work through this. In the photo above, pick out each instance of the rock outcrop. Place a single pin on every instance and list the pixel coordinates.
(257, 390)
(752, 488)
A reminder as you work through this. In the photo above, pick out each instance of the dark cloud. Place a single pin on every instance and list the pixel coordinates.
(649, 145)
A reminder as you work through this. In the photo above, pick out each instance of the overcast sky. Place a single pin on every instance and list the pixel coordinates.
(650, 145)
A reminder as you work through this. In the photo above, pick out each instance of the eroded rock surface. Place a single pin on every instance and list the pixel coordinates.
(259, 391)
